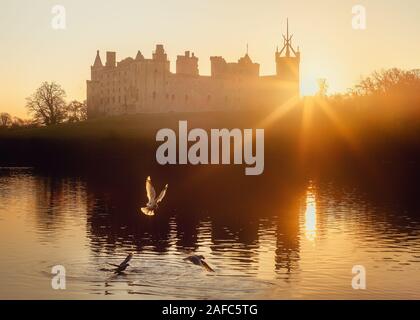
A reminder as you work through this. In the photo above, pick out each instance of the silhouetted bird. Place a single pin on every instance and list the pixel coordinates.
(199, 261)
(123, 266)
(153, 203)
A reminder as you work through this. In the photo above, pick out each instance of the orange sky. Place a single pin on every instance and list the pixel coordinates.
(33, 52)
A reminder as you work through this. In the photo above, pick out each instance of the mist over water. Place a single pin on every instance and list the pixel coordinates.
(270, 237)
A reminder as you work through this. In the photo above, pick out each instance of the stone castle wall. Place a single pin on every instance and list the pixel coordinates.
(138, 85)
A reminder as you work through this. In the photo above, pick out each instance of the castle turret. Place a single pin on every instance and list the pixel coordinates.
(98, 61)
(159, 54)
(160, 61)
(245, 67)
(139, 56)
(288, 62)
(97, 66)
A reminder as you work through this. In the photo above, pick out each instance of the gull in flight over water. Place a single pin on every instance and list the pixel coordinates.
(199, 261)
(121, 267)
(153, 203)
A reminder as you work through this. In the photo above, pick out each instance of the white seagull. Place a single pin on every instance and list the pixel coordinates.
(153, 203)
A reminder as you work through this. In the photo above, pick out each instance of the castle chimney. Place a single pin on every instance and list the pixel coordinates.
(111, 59)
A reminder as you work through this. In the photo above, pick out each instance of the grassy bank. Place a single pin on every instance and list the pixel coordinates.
(124, 137)
(299, 136)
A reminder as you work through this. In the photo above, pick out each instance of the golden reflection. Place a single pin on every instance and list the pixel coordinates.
(310, 214)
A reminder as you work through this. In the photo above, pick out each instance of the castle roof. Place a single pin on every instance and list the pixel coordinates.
(245, 59)
(287, 45)
(139, 56)
(98, 61)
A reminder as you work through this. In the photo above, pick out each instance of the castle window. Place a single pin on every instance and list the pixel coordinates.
(173, 97)
(186, 98)
(154, 95)
(208, 98)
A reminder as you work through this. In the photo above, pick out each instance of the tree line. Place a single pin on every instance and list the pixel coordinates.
(47, 106)
(392, 89)
(386, 101)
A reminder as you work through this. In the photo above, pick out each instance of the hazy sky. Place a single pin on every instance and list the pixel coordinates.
(32, 51)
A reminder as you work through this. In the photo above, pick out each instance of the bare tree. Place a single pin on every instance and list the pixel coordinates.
(18, 123)
(24, 123)
(77, 111)
(388, 81)
(47, 104)
(5, 119)
(322, 87)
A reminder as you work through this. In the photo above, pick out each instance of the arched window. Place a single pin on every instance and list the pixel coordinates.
(154, 95)
(208, 98)
(186, 98)
(173, 97)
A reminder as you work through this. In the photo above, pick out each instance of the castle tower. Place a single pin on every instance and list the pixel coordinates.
(160, 54)
(187, 64)
(97, 66)
(288, 62)
(160, 60)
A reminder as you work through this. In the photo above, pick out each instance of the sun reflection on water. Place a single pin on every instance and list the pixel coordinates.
(310, 214)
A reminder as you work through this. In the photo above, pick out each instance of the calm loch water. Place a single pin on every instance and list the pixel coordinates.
(301, 244)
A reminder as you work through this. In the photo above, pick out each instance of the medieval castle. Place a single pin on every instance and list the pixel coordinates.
(147, 85)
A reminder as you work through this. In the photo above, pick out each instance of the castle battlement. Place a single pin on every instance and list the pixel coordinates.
(137, 85)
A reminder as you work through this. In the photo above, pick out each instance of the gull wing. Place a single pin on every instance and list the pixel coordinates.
(127, 260)
(114, 265)
(206, 266)
(151, 193)
(162, 194)
(147, 211)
